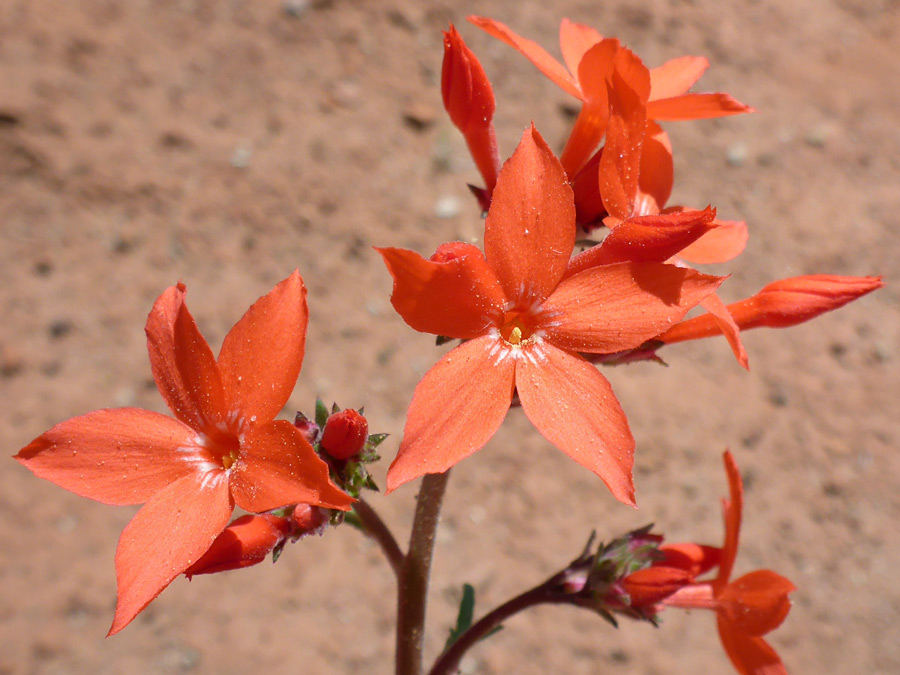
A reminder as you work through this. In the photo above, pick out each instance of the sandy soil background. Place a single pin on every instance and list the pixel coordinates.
(226, 143)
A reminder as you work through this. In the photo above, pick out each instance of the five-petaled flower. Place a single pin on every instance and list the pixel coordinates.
(746, 608)
(589, 61)
(224, 446)
(524, 317)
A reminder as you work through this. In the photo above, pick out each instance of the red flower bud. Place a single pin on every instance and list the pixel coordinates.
(247, 541)
(469, 100)
(780, 304)
(345, 434)
(308, 520)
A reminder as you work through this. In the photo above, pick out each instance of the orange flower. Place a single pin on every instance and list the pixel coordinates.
(589, 61)
(224, 448)
(524, 319)
(780, 304)
(746, 608)
(469, 99)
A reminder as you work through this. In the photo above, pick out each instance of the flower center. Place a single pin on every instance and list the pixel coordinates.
(228, 459)
(222, 447)
(518, 327)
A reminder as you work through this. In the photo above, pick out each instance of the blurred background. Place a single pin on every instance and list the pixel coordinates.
(226, 143)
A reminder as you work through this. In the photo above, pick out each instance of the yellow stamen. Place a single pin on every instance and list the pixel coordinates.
(515, 337)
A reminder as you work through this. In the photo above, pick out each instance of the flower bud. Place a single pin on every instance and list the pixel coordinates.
(780, 304)
(345, 434)
(308, 519)
(245, 542)
(469, 100)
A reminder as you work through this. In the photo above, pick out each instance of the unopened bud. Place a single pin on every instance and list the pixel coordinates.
(345, 434)
(308, 520)
(245, 542)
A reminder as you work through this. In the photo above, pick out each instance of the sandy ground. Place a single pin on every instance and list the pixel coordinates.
(226, 143)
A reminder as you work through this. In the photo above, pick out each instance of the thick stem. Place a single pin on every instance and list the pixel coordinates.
(448, 663)
(412, 586)
(377, 530)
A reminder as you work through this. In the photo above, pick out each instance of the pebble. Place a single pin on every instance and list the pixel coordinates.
(736, 154)
(447, 206)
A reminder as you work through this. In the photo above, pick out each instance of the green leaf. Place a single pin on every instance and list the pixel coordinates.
(465, 616)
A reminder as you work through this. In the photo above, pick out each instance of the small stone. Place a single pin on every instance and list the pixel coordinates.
(818, 136)
(736, 154)
(240, 158)
(419, 116)
(295, 8)
(447, 206)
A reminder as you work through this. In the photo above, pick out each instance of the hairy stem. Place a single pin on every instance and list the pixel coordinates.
(377, 530)
(412, 586)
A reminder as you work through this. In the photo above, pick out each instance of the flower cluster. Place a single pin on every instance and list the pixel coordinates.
(534, 317)
(224, 447)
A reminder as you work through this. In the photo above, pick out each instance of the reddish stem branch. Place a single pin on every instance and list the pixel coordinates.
(377, 530)
(546, 593)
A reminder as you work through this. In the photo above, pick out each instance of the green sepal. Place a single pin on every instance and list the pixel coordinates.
(321, 413)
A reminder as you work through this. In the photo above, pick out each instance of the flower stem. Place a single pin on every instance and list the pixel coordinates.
(412, 584)
(545, 593)
(377, 530)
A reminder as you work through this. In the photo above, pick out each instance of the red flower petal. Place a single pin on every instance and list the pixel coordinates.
(458, 297)
(621, 160)
(588, 200)
(573, 407)
(650, 586)
(574, 40)
(657, 172)
(727, 325)
(612, 308)
(166, 536)
(529, 233)
(261, 356)
(530, 50)
(732, 509)
(277, 466)
(199, 372)
(645, 239)
(456, 408)
(160, 331)
(757, 603)
(693, 558)
(121, 456)
(676, 77)
(721, 244)
(750, 655)
(695, 107)
(594, 70)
